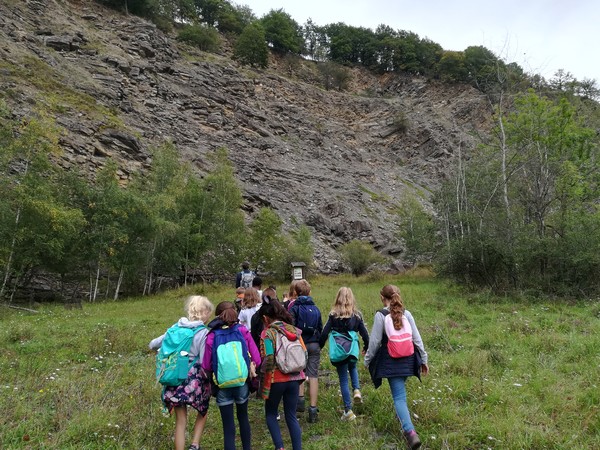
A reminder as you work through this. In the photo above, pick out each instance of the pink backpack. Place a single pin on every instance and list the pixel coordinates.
(400, 343)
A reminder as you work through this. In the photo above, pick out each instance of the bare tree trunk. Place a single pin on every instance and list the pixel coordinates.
(13, 244)
(107, 285)
(97, 281)
(118, 288)
(150, 271)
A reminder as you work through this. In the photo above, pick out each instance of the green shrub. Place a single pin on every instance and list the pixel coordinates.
(359, 256)
(205, 38)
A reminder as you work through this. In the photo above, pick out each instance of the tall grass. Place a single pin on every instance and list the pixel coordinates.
(505, 374)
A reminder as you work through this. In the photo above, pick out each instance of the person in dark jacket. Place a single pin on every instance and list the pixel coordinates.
(345, 318)
(307, 317)
(396, 370)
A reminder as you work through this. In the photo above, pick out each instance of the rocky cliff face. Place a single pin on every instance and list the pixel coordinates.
(337, 161)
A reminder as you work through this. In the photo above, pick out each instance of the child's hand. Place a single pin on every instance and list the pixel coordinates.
(424, 369)
(252, 370)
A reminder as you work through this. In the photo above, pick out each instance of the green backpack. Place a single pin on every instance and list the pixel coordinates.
(172, 360)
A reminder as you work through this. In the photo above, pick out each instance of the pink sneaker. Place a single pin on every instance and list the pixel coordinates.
(412, 439)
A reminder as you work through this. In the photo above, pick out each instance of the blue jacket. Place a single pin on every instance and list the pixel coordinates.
(307, 335)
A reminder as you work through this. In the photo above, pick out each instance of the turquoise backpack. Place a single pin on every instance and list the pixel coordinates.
(172, 360)
(230, 361)
(342, 346)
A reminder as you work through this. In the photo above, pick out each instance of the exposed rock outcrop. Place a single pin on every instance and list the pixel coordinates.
(337, 161)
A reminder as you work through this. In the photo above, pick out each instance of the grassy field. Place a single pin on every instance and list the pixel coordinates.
(505, 374)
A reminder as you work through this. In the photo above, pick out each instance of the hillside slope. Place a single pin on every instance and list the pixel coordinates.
(333, 160)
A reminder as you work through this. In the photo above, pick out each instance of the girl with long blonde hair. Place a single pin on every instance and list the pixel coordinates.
(346, 319)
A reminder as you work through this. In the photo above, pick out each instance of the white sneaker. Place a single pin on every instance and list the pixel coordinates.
(357, 396)
(348, 416)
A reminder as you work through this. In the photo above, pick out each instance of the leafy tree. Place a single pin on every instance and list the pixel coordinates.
(482, 66)
(222, 220)
(315, 41)
(266, 242)
(201, 36)
(451, 67)
(209, 10)
(40, 227)
(251, 47)
(513, 213)
(416, 229)
(358, 256)
(234, 18)
(282, 32)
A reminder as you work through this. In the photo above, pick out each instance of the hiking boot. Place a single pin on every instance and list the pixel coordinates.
(357, 396)
(300, 407)
(313, 414)
(412, 439)
(348, 416)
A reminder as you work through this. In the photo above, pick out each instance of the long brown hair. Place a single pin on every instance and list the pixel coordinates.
(392, 294)
(251, 298)
(227, 313)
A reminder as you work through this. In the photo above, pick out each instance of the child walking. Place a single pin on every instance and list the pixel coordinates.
(250, 305)
(195, 390)
(346, 320)
(225, 330)
(277, 385)
(388, 358)
(307, 317)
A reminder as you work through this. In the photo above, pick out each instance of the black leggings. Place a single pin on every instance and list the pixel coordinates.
(229, 425)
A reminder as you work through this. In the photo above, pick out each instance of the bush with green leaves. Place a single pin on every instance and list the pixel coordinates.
(358, 256)
(251, 47)
(204, 37)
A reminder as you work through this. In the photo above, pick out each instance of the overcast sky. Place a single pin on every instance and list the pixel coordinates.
(541, 36)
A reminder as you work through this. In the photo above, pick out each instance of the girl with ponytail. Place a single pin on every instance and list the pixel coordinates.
(396, 352)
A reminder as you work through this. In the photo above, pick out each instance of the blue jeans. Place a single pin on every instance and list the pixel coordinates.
(342, 371)
(397, 386)
(229, 425)
(289, 392)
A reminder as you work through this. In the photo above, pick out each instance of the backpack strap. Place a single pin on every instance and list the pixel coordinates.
(384, 337)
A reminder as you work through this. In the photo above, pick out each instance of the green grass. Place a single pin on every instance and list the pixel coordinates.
(505, 374)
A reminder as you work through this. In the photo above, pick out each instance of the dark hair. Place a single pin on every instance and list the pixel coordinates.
(392, 294)
(245, 265)
(226, 312)
(257, 281)
(275, 311)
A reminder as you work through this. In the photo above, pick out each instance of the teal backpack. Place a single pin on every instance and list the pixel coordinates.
(172, 360)
(342, 346)
(230, 361)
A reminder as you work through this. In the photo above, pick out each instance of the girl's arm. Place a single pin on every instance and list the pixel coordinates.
(364, 334)
(417, 341)
(325, 333)
(207, 358)
(157, 342)
(375, 337)
(268, 363)
(252, 349)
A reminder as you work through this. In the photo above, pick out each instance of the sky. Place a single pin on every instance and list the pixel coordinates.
(541, 36)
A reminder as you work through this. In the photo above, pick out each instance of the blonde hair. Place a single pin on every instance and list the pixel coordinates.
(302, 287)
(345, 304)
(396, 306)
(198, 307)
(251, 298)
